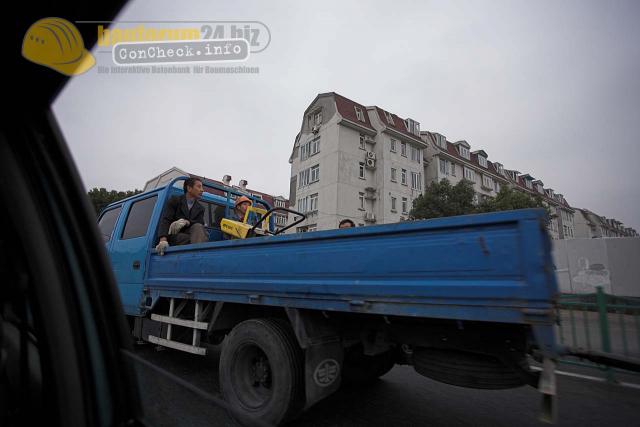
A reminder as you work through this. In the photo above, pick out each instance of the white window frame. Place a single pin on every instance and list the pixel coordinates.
(487, 181)
(394, 175)
(361, 201)
(416, 178)
(313, 202)
(363, 145)
(389, 118)
(359, 113)
(362, 171)
(464, 152)
(403, 149)
(317, 118)
(444, 170)
(314, 174)
(393, 203)
(403, 177)
(469, 174)
(393, 148)
(452, 168)
(404, 205)
(482, 161)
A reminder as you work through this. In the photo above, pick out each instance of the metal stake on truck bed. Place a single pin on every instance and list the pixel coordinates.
(194, 324)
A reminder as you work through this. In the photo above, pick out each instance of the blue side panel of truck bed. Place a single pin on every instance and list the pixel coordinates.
(489, 267)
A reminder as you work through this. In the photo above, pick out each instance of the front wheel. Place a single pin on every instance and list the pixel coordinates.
(261, 372)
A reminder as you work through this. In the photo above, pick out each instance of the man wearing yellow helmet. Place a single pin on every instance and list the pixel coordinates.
(240, 209)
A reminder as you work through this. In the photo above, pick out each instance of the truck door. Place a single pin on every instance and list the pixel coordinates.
(129, 250)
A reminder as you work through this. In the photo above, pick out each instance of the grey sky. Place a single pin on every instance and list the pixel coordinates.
(548, 88)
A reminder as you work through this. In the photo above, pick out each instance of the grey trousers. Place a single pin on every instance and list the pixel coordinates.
(195, 233)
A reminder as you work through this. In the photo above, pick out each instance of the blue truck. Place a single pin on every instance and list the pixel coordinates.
(466, 300)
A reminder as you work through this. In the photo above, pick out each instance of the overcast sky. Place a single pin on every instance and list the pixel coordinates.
(547, 88)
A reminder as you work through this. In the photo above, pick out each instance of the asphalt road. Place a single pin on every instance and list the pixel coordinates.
(400, 398)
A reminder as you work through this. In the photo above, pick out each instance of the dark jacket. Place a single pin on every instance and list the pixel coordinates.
(176, 209)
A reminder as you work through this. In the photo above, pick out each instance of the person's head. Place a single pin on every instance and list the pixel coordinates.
(346, 223)
(193, 187)
(242, 203)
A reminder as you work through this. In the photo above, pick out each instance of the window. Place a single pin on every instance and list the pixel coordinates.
(389, 117)
(361, 172)
(403, 149)
(359, 113)
(443, 167)
(302, 204)
(309, 121)
(310, 148)
(362, 142)
(313, 202)
(416, 180)
(393, 145)
(464, 152)
(442, 141)
(475, 198)
(497, 186)
(302, 229)
(361, 201)
(487, 182)
(404, 205)
(108, 222)
(403, 177)
(393, 204)
(482, 161)
(279, 203)
(309, 176)
(540, 190)
(318, 117)
(416, 154)
(394, 174)
(453, 168)
(412, 126)
(527, 183)
(469, 174)
(138, 218)
(312, 227)
(315, 173)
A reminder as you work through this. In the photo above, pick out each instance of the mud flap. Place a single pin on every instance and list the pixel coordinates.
(547, 386)
(323, 371)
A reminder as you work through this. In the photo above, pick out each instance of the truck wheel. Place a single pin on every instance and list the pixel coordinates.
(359, 368)
(261, 372)
(471, 370)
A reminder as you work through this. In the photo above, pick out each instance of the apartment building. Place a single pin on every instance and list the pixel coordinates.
(353, 161)
(591, 225)
(279, 218)
(456, 161)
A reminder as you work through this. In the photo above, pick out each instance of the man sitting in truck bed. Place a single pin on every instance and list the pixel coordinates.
(182, 219)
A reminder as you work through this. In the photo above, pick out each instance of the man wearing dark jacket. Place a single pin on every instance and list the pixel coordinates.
(182, 219)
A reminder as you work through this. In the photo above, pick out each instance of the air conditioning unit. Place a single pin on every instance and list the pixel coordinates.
(370, 189)
(371, 155)
(371, 164)
(370, 217)
(369, 140)
(315, 129)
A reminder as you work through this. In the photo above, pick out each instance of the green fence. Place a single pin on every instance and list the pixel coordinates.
(600, 322)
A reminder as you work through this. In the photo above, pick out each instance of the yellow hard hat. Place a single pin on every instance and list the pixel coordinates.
(242, 199)
(57, 43)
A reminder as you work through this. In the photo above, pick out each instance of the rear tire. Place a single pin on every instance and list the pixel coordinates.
(471, 370)
(261, 372)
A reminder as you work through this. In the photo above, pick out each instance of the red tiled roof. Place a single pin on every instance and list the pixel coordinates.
(397, 125)
(452, 151)
(346, 108)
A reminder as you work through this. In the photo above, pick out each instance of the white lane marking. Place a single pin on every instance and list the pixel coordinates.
(589, 377)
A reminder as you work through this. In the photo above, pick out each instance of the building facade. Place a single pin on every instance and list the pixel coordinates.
(456, 161)
(591, 225)
(356, 162)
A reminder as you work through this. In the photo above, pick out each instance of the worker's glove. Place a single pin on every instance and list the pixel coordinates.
(161, 247)
(178, 225)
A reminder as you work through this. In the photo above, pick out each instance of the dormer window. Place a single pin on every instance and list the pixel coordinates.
(389, 118)
(501, 170)
(540, 189)
(464, 152)
(442, 141)
(482, 161)
(318, 117)
(359, 113)
(527, 183)
(412, 126)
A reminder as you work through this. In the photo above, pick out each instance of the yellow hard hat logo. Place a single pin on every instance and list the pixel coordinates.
(56, 43)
